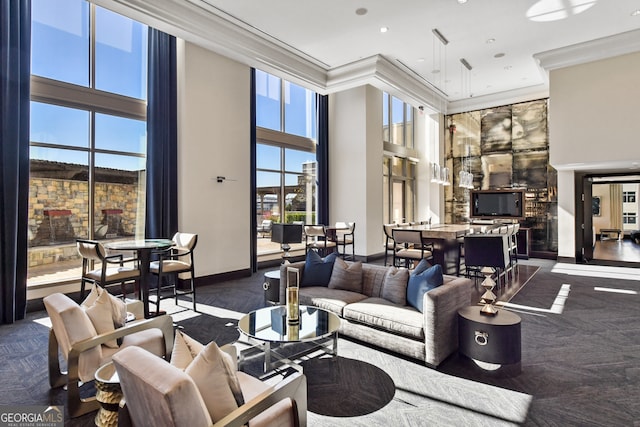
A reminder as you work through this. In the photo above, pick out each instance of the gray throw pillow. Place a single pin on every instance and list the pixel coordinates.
(347, 277)
(394, 287)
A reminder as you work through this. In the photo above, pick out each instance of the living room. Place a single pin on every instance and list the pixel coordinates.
(592, 131)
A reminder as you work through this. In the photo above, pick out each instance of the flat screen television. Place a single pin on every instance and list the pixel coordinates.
(495, 204)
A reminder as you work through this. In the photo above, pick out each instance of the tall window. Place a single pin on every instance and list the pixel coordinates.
(399, 168)
(285, 154)
(397, 121)
(628, 196)
(88, 132)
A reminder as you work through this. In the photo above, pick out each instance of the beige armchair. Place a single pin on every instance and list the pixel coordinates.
(74, 335)
(158, 393)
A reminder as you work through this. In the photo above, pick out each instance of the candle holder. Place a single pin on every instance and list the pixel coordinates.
(488, 298)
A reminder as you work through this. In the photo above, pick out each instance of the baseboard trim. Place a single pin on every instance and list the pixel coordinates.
(566, 259)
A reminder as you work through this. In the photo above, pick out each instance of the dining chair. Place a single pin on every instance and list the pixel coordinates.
(486, 250)
(344, 237)
(412, 247)
(315, 238)
(112, 268)
(170, 264)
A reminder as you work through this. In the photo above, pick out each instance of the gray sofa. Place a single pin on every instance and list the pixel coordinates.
(430, 336)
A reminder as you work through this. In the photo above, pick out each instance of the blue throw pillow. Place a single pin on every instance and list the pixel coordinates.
(421, 282)
(317, 270)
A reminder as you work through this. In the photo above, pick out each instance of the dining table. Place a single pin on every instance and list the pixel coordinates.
(144, 249)
(446, 243)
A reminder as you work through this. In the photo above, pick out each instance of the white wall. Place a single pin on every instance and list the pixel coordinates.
(213, 139)
(594, 112)
(355, 164)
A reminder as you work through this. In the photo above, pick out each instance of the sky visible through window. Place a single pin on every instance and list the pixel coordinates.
(60, 51)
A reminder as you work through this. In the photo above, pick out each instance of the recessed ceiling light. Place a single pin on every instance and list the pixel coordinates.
(384, 29)
(361, 11)
(498, 55)
(635, 12)
(507, 67)
(436, 71)
(491, 40)
(462, 1)
(420, 59)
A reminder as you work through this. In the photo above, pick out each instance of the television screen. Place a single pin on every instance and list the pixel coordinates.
(497, 204)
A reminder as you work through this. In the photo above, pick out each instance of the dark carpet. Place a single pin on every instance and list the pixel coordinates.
(580, 361)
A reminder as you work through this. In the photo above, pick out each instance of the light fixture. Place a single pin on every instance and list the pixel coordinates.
(465, 176)
(384, 29)
(285, 234)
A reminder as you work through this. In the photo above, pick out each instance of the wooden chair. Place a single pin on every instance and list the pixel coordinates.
(486, 250)
(112, 269)
(345, 237)
(315, 238)
(412, 247)
(171, 263)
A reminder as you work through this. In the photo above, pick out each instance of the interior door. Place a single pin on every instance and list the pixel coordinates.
(588, 234)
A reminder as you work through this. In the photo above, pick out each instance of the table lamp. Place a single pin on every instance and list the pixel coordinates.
(286, 234)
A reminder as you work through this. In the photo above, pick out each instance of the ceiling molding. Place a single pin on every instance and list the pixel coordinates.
(515, 96)
(594, 50)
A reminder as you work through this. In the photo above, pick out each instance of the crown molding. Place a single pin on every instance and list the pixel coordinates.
(493, 100)
(594, 50)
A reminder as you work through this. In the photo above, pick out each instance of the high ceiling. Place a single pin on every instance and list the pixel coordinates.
(504, 41)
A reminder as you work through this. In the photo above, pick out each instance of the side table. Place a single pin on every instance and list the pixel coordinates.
(109, 394)
(271, 287)
(491, 339)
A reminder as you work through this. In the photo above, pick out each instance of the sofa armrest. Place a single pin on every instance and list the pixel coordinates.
(283, 278)
(440, 308)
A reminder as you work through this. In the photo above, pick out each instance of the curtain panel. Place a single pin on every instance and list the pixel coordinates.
(15, 70)
(162, 137)
(322, 157)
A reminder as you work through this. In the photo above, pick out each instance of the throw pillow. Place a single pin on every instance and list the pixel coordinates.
(394, 286)
(118, 307)
(421, 283)
(100, 314)
(345, 276)
(213, 372)
(317, 270)
(185, 349)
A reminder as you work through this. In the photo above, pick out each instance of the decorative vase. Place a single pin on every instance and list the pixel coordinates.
(293, 306)
(488, 298)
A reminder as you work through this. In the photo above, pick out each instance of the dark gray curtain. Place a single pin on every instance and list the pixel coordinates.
(15, 71)
(252, 168)
(162, 137)
(322, 156)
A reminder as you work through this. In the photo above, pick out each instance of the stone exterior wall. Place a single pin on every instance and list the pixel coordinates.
(71, 199)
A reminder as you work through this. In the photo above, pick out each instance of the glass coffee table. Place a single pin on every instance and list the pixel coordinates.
(268, 331)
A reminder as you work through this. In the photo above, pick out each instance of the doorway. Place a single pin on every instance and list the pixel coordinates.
(611, 213)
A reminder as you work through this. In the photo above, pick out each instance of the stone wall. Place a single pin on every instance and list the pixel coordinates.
(47, 195)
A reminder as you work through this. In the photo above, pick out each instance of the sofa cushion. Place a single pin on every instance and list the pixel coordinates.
(394, 287)
(421, 281)
(332, 300)
(382, 314)
(347, 277)
(317, 270)
(213, 372)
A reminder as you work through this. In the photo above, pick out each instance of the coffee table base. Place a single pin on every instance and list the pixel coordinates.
(274, 357)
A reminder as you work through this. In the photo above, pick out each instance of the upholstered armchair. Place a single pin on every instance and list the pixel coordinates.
(160, 394)
(74, 335)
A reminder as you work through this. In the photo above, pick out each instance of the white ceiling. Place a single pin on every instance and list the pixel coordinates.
(328, 46)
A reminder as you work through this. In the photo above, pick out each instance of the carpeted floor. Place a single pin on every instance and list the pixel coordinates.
(580, 361)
